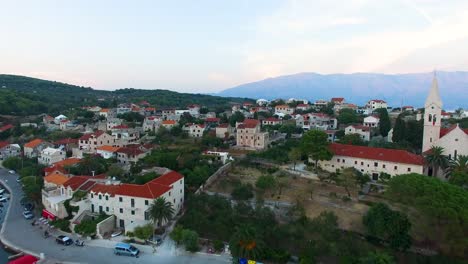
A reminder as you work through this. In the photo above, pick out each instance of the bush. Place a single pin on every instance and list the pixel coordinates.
(242, 192)
(265, 182)
(62, 224)
(218, 245)
(345, 198)
(130, 234)
(143, 232)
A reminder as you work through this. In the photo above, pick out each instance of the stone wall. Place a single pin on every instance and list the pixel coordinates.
(105, 227)
(219, 173)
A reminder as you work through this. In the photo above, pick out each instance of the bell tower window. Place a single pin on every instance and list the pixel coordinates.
(430, 118)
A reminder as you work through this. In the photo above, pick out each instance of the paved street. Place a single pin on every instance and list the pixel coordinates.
(21, 234)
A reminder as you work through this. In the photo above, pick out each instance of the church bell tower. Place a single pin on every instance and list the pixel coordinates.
(432, 116)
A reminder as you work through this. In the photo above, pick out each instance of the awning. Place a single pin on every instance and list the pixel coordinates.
(26, 259)
(48, 215)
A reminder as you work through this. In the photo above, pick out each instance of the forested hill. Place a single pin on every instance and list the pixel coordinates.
(20, 95)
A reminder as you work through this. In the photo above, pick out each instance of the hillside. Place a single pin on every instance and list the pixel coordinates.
(397, 89)
(22, 95)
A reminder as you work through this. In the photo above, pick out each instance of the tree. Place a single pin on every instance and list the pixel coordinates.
(347, 179)
(314, 143)
(384, 122)
(353, 139)
(294, 155)
(399, 130)
(115, 171)
(459, 178)
(245, 243)
(436, 159)
(265, 182)
(190, 240)
(348, 116)
(382, 222)
(236, 117)
(460, 164)
(282, 183)
(242, 192)
(160, 211)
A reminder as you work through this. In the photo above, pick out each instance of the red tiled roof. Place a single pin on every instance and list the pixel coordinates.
(249, 123)
(224, 125)
(445, 131)
(168, 178)
(33, 143)
(212, 119)
(391, 155)
(108, 148)
(169, 122)
(152, 189)
(337, 99)
(377, 101)
(302, 105)
(120, 127)
(130, 151)
(6, 127)
(66, 141)
(272, 119)
(95, 134)
(87, 185)
(4, 144)
(282, 106)
(67, 162)
(75, 182)
(105, 188)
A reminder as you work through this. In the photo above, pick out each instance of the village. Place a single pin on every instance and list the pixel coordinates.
(128, 172)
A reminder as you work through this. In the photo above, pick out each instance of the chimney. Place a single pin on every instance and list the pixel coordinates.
(92, 173)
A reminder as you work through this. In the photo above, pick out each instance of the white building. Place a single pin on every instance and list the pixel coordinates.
(152, 123)
(316, 121)
(271, 121)
(371, 121)
(113, 122)
(373, 161)
(89, 142)
(376, 104)
(284, 110)
(262, 102)
(223, 157)
(59, 118)
(453, 140)
(107, 152)
(50, 155)
(9, 150)
(362, 131)
(195, 130)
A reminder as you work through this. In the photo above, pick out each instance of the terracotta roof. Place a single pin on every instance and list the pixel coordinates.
(302, 105)
(445, 131)
(120, 127)
(150, 109)
(89, 135)
(282, 106)
(75, 182)
(67, 162)
(377, 101)
(337, 99)
(224, 125)
(66, 141)
(108, 148)
(249, 123)
(33, 143)
(104, 110)
(212, 119)
(272, 119)
(168, 178)
(6, 127)
(57, 179)
(130, 151)
(391, 155)
(152, 189)
(169, 122)
(4, 144)
(87, 185)
(105, 188)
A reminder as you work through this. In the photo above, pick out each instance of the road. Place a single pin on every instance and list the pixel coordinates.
(18, 232)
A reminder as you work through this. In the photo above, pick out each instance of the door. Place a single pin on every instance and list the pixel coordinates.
(92, 208)
(375, 176)
(122, 224)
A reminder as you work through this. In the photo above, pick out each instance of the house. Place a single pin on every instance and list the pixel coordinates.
(316, 120)
(271, 121)
(104, 112)
(107, 152)
(47, 120)
(376, 104)
(124, 136)
(224, 130)
(262, 102)
(59, 119)
(331, 135)
(220, 156)
(284, 110)
(64, 124)
(212, 121)
(130, 202)
(61, 166)
(9, 150)
(89, 142)
(123, 108)
(373, 161)
(152, 123)
(408, 108)
(149, 111)
(167, 112)
(34, 147)
(371, 121)
(169, 124)
(249, 135)
(362, 131)
(337, 100)
(67, 143)
(338, 107)
(195, 130)
(194, 110)
(303, 107)
(51, 155)
(130, 154)
(321, 103)
(236, 108)
(113, 122)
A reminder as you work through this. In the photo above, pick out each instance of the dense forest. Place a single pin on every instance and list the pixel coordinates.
(22, 95)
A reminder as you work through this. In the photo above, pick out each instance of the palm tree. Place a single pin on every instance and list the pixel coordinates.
(437, 159)
(460, 164)
(245, 244)
(160, 210)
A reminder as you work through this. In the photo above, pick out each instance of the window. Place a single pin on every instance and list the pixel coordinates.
(409, 169)
(169, 193)
(362, 163)
(383, 166)
(132, 202)
(100, 197)
(107, 197)
(107, 208)
(395, 168)
(355, 162)
(376, 164)
(180, 190)
(343, 161)
(120, 199)
(133, 212)
(338, 160)
(92, 196)
(121, 210)
(455, 154)
(146, 202)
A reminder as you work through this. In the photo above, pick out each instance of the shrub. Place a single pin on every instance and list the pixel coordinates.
(242, 192)
(218, 245)
(62, 224)
(345, 198)
(143, 232)
(130, 234)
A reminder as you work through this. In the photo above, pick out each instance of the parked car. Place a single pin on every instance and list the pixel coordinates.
(11, 171)
(28, 215)
(125, 249)
(28, 207)
(64, 240)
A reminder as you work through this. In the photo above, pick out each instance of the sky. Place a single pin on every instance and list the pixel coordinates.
(206, 46)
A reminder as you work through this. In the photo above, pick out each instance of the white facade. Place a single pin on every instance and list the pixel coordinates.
(376, 104)
(371, 121)
(195, 130)
(49, 156)
(284, 109)
(362, 131)
(59, 119)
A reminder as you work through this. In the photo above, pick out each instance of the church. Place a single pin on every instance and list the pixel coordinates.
(454, 140)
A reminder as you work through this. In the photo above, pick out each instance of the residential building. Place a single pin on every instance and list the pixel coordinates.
(195, 130)
(113, 122)
(250, 136)
(169, 124)
(50, 155)
(316, 120)
(107, 152)
(271, 121)
(89, 142)
(224, 130)
(194, 110)
(362, 131)
(124, 136)
(303, 107)
(152, 123)
(130, 154)
(6, 128)
(321, 103)
(59, 119)
(104, 112)
(220, 156)
(9, 150)
(34, 147)
(282, 110)
(338, 100)
(373, 161)
(331, 135)
(376, 104)
(262, 102)
(371, 121)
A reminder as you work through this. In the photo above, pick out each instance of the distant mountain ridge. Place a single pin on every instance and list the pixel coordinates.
(396, 89)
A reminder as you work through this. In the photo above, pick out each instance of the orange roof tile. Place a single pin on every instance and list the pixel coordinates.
(104, 188)
(33, 143)
(67, 162)
(169, 122)
(57, 179)
(108, 148)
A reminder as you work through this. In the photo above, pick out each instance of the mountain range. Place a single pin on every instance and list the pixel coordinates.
(396, 89)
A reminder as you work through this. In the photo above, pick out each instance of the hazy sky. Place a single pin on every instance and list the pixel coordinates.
(207, 46)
